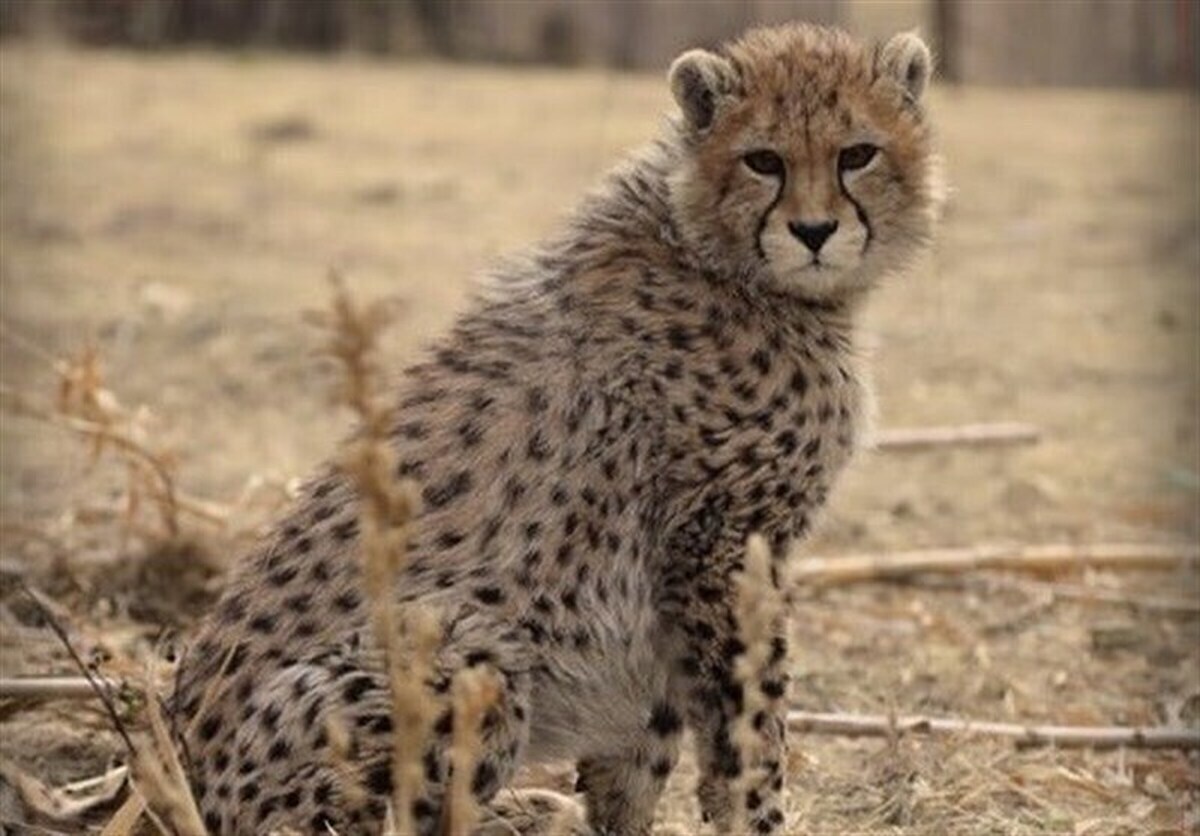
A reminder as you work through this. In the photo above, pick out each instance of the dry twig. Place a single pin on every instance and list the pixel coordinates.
(970, 435)
(1040, 559)
(1090, 737)
(53, 687)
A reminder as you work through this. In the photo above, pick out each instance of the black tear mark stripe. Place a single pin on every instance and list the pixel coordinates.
(859, 211)
(762, 221)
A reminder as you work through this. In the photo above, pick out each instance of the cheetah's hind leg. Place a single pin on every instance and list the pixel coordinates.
(533, 812)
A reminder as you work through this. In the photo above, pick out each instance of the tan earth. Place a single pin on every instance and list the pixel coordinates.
(181, 211)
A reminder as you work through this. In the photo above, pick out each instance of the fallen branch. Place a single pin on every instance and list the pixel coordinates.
(971, 435)
(52, 687)
(1041, 559)
(1088, 737)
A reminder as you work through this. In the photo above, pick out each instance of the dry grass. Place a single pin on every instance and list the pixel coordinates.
(385, 509)
(410, 638)
(145, 210)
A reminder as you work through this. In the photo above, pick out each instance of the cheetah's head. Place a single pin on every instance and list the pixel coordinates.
(807, 160)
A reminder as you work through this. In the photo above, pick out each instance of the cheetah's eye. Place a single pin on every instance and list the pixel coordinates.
(856, 156)
(764, 162)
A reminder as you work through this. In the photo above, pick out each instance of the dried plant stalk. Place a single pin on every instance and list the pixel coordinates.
(1039, 559)
(414, 709)
(474, 691)
(386, 506)
(760, 609)
(1089, 737)
(159, 777)
(339, 757)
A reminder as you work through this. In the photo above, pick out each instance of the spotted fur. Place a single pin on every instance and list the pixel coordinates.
(594, 440)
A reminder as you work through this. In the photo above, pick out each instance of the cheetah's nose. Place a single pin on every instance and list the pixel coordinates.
(813, 235)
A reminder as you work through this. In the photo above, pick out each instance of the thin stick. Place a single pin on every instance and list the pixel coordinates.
(1040, 559)
(52, 687)
(968, 435)
(1087, 737)
(1096, 595)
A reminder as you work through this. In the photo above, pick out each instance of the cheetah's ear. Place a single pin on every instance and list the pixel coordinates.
(906, 59)
(699, 79)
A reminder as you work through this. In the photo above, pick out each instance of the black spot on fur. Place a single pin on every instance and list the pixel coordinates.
(679, 337)
(209, 727)
(323, 793)
(538, 448)
(471, 433)
(665, 720)
(263, 623)
(348, 601)
(379, 779)
(536, 401)
(284, 576)
(449, 539)
(490, 595)
(354, 690)
(478, 657)
(440, 495)
(485, 778)
(773, 688)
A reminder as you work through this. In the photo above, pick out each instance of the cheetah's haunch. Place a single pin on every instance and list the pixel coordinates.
(594, 442)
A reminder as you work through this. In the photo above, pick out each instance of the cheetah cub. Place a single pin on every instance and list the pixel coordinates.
(594, 440)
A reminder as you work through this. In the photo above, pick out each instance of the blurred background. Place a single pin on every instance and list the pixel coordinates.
(178, 178)
(1092, 42)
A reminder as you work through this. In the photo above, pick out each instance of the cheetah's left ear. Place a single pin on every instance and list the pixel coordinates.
(906, 59)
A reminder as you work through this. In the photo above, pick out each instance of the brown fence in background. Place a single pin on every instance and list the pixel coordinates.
(1068, 42)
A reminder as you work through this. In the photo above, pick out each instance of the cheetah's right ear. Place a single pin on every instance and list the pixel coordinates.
(698, 80)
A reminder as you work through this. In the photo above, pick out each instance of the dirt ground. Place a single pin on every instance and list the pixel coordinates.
(180, 212)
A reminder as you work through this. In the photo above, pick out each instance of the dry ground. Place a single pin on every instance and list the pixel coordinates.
(181, 211)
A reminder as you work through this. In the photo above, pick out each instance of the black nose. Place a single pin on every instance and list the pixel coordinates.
(813, 235)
